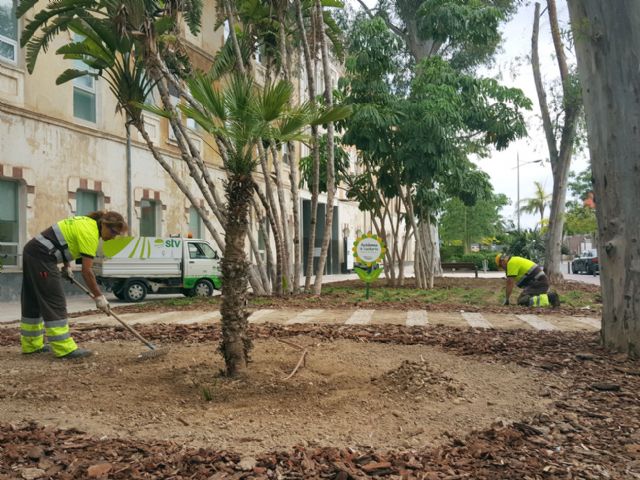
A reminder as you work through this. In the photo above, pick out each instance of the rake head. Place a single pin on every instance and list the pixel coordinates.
(152, 353)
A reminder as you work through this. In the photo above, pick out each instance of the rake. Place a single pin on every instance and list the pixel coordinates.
(153, 352)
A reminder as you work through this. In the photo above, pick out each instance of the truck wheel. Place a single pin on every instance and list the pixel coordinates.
(134, 291)
(203, 288)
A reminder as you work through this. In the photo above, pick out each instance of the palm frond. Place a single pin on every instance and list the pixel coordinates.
(88, 52)
(211, 99)
(334, 114)
(72, 73)
(24, 6)
(274, 100)
(161, 112)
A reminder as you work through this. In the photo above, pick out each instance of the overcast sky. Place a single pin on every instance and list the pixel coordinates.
(514, 69)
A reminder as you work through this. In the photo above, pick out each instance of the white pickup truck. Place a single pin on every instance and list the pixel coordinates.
(131, 267)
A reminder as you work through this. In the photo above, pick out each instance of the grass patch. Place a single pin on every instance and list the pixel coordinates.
(448, 293)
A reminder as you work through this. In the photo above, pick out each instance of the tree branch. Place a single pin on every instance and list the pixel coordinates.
(542, 96)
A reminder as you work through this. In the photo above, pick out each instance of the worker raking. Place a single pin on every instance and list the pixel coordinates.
(44, 308)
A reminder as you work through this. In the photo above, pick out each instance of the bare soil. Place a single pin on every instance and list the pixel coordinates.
(382, 400)
(348, 394)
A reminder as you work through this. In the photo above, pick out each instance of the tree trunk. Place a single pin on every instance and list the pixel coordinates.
(553, 243)
(311, 87)
(276, 239)
(236, 343)
(608, 51)
(286, 227)
(331, 189)
(294, 258)
(560, 159)
(295, 200)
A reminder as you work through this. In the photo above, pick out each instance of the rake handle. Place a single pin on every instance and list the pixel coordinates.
(112, 314)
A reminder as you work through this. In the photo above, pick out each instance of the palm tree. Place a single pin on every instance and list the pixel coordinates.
(243, 116)
(538, 203)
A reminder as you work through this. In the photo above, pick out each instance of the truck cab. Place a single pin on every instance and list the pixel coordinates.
(132, 267)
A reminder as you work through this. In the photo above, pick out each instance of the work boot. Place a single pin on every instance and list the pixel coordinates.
(77, 353)
(554, 299)
(44, 349)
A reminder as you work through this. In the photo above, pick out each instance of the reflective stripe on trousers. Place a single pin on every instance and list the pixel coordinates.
(57, 332)
(541, 300)
(31, 334)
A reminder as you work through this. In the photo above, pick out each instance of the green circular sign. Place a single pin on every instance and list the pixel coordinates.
(368, 249)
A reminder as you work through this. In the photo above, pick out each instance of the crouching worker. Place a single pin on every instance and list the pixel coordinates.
(531, 278)
(44, 308)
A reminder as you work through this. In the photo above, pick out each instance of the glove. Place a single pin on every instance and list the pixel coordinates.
(103, 304)
(506, 301)
(67, 272)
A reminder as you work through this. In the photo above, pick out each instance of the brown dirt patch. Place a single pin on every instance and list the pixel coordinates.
(350, 394)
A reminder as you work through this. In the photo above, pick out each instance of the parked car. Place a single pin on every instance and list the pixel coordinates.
(586, 263)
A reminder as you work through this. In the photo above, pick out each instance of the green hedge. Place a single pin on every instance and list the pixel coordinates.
(451, 253)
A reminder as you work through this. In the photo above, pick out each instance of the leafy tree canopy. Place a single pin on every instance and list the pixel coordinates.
(580, 184)
(470, 224)
(420, 139)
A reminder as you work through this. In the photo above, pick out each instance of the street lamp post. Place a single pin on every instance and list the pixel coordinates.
(518, 199)
(540, 160)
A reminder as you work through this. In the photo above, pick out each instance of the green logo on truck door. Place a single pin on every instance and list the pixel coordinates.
(114, 246)
(172, 242)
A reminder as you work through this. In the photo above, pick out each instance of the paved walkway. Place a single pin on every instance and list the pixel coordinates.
(417, 318)
(10, 311)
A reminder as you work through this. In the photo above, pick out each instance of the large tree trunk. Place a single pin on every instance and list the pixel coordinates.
(236, 343)
(608, 50)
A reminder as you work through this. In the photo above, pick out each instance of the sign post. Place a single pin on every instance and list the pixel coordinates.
(368, 250)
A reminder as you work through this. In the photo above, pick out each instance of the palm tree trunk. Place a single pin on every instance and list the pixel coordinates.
(255, 249)
(311, 87)
(271, 209)
(294, 176)
(276, 240)
(286, 240)
(236, 344)
(285, 54)
(184, 188)
(331, 189)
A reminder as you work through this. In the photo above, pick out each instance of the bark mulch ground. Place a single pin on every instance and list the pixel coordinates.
(590, 432)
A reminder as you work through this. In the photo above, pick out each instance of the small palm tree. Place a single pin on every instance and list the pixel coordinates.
(538, 203)
(241, 115)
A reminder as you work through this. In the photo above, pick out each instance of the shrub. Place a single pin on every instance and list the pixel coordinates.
(528, 244)
(451, 253)
(478, 257)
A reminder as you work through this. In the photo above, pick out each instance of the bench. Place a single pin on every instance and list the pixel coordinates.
(460, 266)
